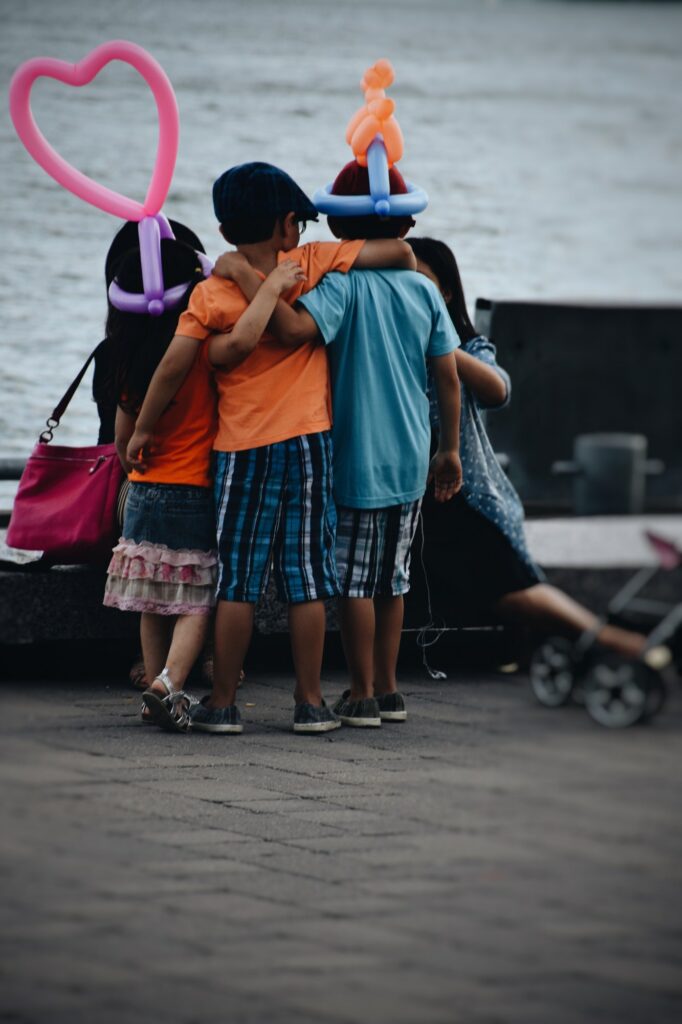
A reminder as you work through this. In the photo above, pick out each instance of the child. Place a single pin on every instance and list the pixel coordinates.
(475, 550)
(380, 328)
(273, 449)
(165, 563)
(103, 384)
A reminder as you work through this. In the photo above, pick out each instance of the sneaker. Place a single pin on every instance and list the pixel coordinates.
(205, 719)
(363, 713)
(392, 707)
(310, 718)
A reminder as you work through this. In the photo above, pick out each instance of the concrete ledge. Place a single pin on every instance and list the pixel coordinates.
(589, 558)
(599, 542)
(59, 604)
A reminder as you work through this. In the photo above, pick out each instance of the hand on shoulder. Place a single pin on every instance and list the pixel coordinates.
(230, 264)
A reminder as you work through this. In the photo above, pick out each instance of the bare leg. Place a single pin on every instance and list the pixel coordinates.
(388, 612)
(549, 609)
(233, 628)
(188, 639)
(357, 622)
(155, 636)
(307, 621)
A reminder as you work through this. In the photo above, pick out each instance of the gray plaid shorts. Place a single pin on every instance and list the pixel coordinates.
(373, 549)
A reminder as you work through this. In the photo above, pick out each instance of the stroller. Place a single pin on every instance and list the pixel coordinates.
(617, 692)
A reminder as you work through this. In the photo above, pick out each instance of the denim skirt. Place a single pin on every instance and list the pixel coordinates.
(165, 562)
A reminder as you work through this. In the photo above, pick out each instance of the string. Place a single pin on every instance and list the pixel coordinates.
(431, 626)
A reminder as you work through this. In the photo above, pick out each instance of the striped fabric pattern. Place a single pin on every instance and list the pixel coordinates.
(373, 549)
(276, 512)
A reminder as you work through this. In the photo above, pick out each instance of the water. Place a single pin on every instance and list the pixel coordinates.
(547, 134)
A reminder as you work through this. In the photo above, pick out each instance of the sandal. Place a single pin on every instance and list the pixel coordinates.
(170, 712)
(137, 677)
(145, 715)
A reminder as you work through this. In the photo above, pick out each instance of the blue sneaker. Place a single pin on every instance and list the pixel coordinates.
(310, 718)
(205, 719)
(364, 713)
(392, 707)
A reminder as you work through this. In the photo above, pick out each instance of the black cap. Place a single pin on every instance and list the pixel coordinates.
(255, 189)
(128, 238)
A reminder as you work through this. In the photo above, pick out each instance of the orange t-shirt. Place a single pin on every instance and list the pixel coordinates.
(278, 392)
(184, 435)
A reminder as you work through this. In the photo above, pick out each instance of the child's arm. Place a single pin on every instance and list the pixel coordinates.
(168, 378)
(385, 254)
(123, 431)
(295, 326)
(292, 326)
(228, 350)
(171, 372)
(445, 468)
(484, 382)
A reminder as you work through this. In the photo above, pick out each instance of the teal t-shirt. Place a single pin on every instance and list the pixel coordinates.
(380, 326)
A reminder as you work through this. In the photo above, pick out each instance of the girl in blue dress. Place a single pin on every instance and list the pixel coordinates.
(475, 551)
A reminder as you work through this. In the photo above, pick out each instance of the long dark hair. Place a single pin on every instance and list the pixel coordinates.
(138, 342)
(441, 259)
(115, 355)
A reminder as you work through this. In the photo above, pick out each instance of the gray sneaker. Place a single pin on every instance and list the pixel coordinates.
(205, 719)
(392, 707)
(362, 713)
(310, 718)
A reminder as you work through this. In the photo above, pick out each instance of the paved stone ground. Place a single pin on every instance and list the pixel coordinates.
(488, 861)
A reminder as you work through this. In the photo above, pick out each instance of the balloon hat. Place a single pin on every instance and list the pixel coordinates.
(375, 137)
(152, 225)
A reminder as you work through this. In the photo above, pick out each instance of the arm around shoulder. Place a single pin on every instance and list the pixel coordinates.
(229, 350)
(385, 254)
(293, 325)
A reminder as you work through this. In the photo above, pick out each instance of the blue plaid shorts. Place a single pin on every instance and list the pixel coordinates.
(276, 511)
(373, 549)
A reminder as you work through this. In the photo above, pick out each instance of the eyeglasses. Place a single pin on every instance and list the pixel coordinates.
(302, 225)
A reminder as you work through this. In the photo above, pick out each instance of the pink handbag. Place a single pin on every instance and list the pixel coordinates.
(66, 502)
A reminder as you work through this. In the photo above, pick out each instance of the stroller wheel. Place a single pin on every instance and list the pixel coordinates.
(619, 693)
(656, 696)
(553, 672)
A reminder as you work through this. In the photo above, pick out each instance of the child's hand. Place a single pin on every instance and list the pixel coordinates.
(446, 472)
(139, 450)
(230, 265)
(285, 276)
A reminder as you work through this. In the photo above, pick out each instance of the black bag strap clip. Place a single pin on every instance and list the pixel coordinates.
(52, 422)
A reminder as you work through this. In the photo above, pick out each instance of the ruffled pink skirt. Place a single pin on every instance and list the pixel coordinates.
(147, 577)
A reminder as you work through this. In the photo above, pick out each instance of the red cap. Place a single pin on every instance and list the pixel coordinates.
(353, 180)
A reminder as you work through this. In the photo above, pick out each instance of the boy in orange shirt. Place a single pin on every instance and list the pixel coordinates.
(272, 450)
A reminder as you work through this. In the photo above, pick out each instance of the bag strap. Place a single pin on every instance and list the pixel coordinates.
(52, 422)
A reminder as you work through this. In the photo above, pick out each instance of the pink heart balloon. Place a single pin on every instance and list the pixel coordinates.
(80, 74)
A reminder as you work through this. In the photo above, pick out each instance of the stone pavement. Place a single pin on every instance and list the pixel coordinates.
(488, 861)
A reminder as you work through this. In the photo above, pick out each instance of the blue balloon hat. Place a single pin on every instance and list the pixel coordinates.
(379, 202)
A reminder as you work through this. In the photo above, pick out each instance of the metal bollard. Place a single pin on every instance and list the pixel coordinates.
(609, 473)
(11, 469)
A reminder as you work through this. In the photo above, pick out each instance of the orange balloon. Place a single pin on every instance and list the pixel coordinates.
(393, 140)
(384, 70)
(364, 135)
(376, 117)
(355, 120)
(382, 109)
